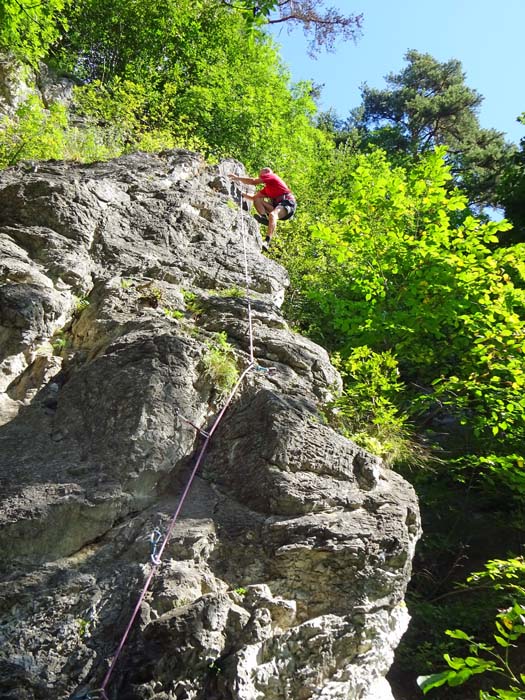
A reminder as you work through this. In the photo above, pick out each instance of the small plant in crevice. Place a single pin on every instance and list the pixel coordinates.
(240, 590)
(126, 283)
(232, 292)
(189, 329)
(214, 667)
(80, 304)
(192, 303)
(150, 295)
(59, 342)
(220, 364)
(83, 627)
(172, 313)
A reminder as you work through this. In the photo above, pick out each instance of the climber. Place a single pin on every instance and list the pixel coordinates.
(273, 202)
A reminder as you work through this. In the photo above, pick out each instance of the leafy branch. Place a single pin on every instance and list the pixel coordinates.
(326, 27)
(486, 658)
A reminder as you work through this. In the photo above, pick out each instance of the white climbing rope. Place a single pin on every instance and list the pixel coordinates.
(246, 276)
(157, 551)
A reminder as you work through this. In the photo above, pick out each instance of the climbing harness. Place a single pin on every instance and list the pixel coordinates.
(158, 544)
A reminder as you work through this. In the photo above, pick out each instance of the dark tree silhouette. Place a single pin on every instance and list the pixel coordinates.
(323, 26)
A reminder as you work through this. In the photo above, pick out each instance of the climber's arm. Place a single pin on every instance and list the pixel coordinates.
(245, 180)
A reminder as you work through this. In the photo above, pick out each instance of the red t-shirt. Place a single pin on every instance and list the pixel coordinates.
(273, 186)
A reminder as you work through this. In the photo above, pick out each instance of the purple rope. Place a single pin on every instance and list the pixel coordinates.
(157, 563)
(200, 457)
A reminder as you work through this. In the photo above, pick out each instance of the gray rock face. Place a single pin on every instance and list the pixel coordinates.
(285, 573)
(18, 82)
(15, 85)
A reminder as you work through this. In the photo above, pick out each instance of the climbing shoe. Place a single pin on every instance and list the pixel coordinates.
(261, 219)
(266, 243)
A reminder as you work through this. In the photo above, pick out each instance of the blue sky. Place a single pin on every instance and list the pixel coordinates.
(487, 37)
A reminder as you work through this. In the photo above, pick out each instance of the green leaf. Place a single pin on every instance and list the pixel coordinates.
(460, 677)
(474, 662)
(458, 634)
(455, 662)
(502, 642)
(435, 680)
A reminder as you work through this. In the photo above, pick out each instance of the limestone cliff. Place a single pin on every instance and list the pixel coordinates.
(286, 571)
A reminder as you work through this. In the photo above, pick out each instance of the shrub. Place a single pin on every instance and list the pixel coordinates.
(365, 411)
(220, 365)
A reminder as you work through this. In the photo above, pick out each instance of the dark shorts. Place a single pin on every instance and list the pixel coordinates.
(290, 205)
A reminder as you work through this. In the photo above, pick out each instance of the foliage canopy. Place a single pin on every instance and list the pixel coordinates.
(494, 659)
(390, 268)
(512, 190)
(187, 69)
(323, 29)
(29, 27)
(401, 265)
(426, 105)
